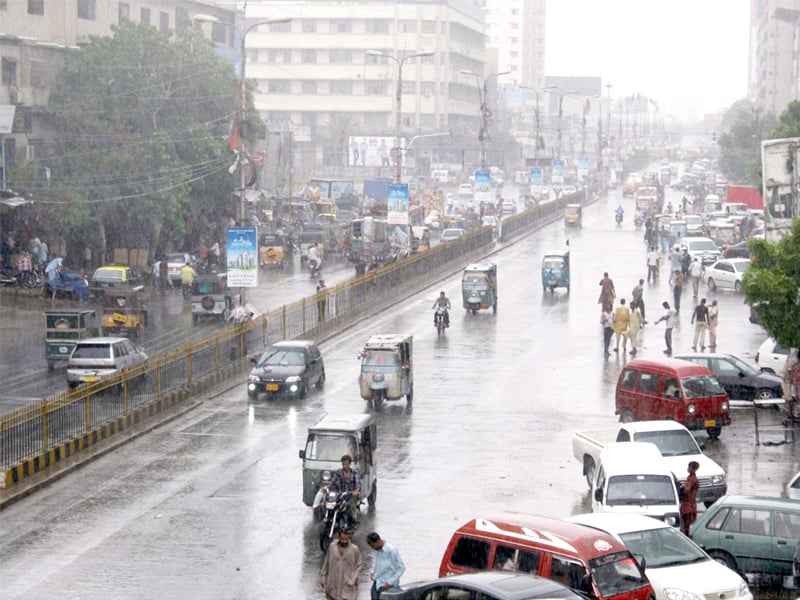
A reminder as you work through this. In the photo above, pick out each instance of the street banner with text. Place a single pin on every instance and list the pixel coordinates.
(397, 213)
(242, 257)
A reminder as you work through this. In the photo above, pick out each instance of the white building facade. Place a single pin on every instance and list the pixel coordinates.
(516, 31)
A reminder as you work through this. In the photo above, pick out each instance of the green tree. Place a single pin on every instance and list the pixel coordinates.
(788, 123)
(740, 143)
(142, 121)
(772, 286)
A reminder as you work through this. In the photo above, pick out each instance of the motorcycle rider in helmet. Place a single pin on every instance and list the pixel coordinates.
(444, 301)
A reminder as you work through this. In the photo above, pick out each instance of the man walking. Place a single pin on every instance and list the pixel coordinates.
(695, 275)
(607, 293)
(700, 321)
(636, 294)
(607, 321)
(677, 289)
(322, 299)
(634, 326)
(340, 569)
(671, 318)
(713, 315)
(622, 316)
(652, 264)
(388, 566)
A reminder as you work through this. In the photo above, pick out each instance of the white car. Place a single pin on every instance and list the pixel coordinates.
(678, 569)
(449, 235)
(694, 225)
(727, 274)
(465, 189)
(569, 190)
(771, 356)
(702, 248)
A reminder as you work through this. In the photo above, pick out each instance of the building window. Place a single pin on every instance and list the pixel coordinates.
(280, 27)
(309, 86)
(309, 25)
(3, 4)
(9, 76)
(219, 33)
(145, 16)
(428, 88)
(124, 12)
(377, 26)
(407, 26)
(86, 9)
(163, 21)
(375, 88)
(279, 56)
(375, 121)
(371, 59)
(341, 88)
(429, 27)
(279, 86)
(340, 57)
(341, 27)
(409, 87)
(35, 7)
(182, 17)
(308, 56)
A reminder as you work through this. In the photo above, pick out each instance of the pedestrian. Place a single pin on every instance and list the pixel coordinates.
(155, 273)
(695, 275)
(677, 289)
(670, 317)
(388, 567)
(164, 282)
(354, 150)
(87, 258)
(663, 235)
(688, 509)
(322, 299)
(634, 326)
(607, 293)
(713, 316)
(637, 296)
(675, 262)
(686, 261)
(622, 317)
(607, 321)
(42, 252)
(340, 569)
(700, 320)
(652, 264)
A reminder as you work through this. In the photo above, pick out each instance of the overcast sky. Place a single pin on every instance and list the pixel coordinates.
(688, 55)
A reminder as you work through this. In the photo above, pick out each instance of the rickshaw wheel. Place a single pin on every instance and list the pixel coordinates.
(51, 365)
(494, 308)
(474, 311)
(373, 495)
(410, 396)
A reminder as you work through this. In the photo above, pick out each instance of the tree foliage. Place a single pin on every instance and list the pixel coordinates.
(772, 286)
(740, 143)
(788, 122)
(142, 121)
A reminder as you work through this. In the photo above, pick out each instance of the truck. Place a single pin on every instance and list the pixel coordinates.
(745, 194)
(676, 444)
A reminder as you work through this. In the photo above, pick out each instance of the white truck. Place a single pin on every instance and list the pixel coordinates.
(676, 444)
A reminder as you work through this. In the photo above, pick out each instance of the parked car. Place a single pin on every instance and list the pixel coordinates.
(287, 368)
(751, 534)
(176, 260)
(702, 248)
(771, 356)
(113, 275)
(740, 380)
(451, 234)
(99, 357)
(727, 274)
(694, 225)
(674, 564)
(488, 585)
(465, 189)
(740, 250)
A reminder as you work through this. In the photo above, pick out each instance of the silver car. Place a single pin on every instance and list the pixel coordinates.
(99, 357)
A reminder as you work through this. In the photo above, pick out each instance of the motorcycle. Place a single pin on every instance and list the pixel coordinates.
(638, 221)
(619, 218)
(337, 516)
(440, 319)
(315, 268)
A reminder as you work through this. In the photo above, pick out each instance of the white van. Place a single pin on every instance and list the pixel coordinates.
(633, 478)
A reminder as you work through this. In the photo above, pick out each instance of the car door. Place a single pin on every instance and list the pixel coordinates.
(746, 536)
(725, 275)
(727, 374)
(786, 533)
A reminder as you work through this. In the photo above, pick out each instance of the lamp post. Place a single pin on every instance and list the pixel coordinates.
(561, 97)
(537, 113)
(241, 153)
(486, 114)
(399, 102)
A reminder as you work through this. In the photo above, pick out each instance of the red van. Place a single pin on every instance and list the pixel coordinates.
(590, 561)
(675, 389)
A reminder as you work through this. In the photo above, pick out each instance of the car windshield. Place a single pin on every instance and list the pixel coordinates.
(475, 279)
(637, 490)
(663, 547)
(702, 246)
(282, 357)
(92, 351)
(380, 358)
(326, 446)
(701, 386)
(176, 258)
(553, 263)
(677, 442)
(109, 274)
(616, 573)
(742, 366)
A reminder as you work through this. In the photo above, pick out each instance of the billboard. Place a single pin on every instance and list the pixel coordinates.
(398, 204)
(372, 151)
(537, 176)
(483, 186)
(242, 257)
(558, 172)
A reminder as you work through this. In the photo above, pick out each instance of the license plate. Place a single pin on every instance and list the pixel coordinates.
(272, 387)
(710, 423)
(90, 378)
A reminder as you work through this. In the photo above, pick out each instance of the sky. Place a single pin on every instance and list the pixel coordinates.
(690, 56)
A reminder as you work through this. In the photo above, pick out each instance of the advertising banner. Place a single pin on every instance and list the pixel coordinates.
(398, 204)
(583, 166)
(537, 176)
(372, 151)
(242, 257)
(558, 171)
(482, 191)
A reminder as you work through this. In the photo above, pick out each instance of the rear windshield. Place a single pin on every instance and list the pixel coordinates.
(639, 490)
(92, 351)
(616, 573)
(553, 263)
(701, 386)
(677, 442)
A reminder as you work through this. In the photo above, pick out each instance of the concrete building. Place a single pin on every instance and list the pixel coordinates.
(774, 61)
(516, 30)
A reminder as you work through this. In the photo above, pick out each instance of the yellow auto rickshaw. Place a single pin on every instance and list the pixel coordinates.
(573, 215)
(479, 287)
(272, 250)
(124, 310)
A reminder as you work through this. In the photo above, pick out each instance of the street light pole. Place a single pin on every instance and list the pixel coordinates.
(398, 102)
(537, 113)
(561, 97)
(483, 90)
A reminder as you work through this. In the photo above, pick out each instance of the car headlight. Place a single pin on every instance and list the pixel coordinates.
(293, 379)
(254, 378)
(717, 479)
(724, 405)
(677, 594)
(743, 589)
(377, 377)
(691, 409)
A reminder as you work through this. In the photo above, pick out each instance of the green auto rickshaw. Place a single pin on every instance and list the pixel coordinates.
(555, 270)
(64, 327)
(479, 287)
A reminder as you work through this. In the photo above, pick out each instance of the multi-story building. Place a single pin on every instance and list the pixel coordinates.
(516, 29)
(34, 35)
(773, 81)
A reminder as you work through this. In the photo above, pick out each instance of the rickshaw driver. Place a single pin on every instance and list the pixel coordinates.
(347, 480)
(442, 301)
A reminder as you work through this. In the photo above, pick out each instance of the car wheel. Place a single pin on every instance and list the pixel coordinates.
(737, 287)
(627, 416)
(588, 468)
(765, 394)
(712, 284)
(321, 380)
(724, 558)
(373, 495)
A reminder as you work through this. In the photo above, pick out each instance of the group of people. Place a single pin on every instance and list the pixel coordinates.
(624, 322)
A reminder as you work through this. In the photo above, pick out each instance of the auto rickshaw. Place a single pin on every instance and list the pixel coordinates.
(555, 270)
(724, 233)
(210, 298)
(64, 327)
(273, 250)
(124, 310)
(386, 369)
(573, 215)
(327, 442)
(479, 287)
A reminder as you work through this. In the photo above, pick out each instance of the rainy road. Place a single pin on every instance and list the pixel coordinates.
(209, 505)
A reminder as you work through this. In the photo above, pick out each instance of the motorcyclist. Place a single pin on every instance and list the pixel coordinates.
(187, 277)
(619, 212)
(348, 480)
(314, 259)
(442, 301)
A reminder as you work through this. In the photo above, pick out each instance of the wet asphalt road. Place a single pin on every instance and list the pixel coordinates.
(209, 505)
